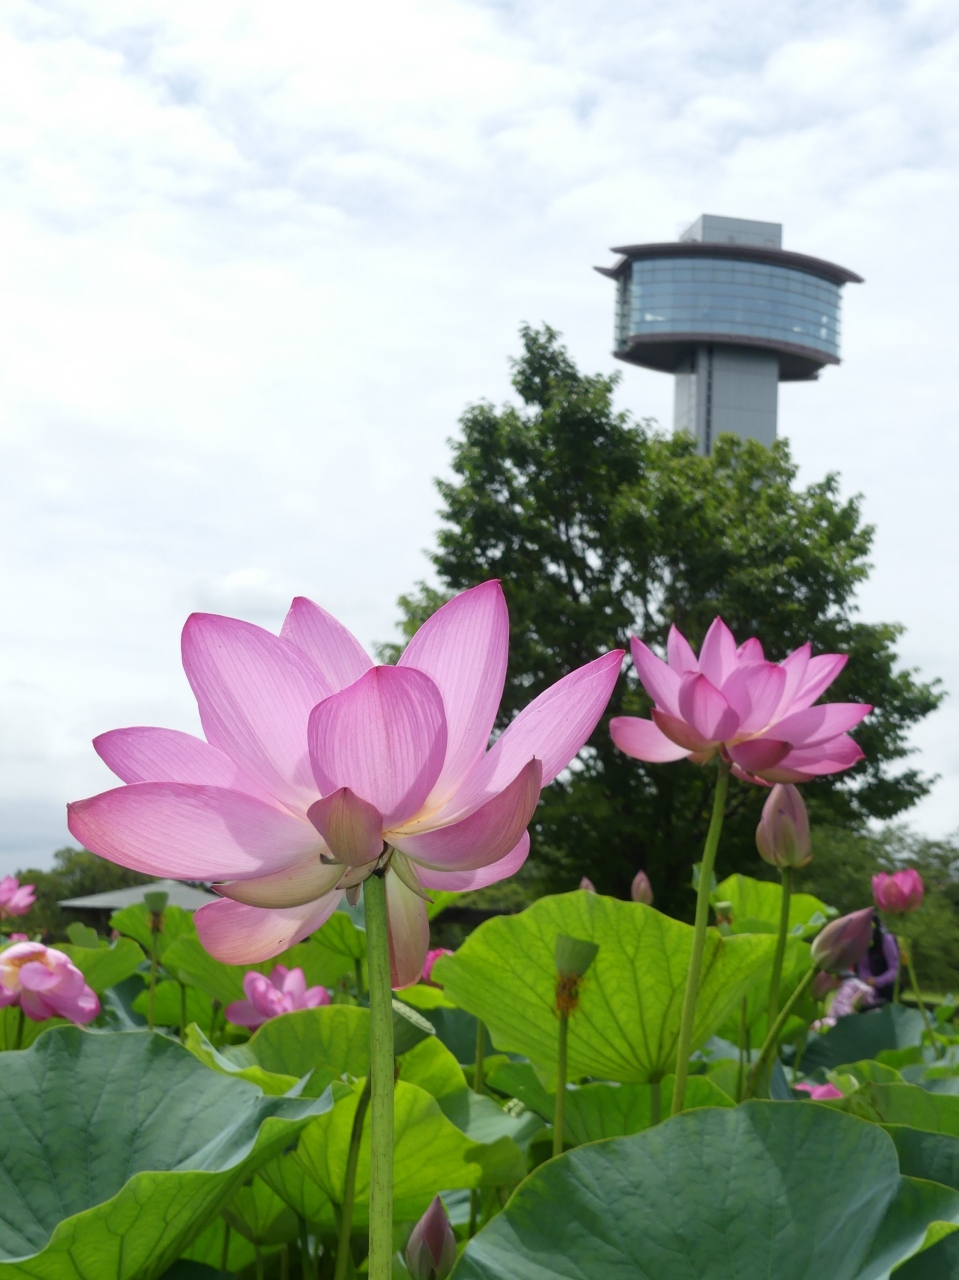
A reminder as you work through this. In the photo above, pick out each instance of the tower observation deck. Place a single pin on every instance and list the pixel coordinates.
(731, 314)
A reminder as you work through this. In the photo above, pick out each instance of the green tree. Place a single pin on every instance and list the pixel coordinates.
(599, 527)
(74, 874)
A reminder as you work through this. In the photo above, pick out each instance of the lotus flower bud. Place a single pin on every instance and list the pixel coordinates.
(843, 942)
(782, 836)
(431, 1250)
(899, 892)
(587, 884)
(641, 890)
(823, 983)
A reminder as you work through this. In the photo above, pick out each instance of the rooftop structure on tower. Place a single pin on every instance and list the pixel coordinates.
(731, 314)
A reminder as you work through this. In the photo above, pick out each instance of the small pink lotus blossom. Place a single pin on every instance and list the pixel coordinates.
(16, 899)
(782, 837)
(819, 1092)
(267, 997)
(843, 942)
(641, 890)
(898, 893)
(431, 959)
(731, 701)
(320, 768)
(431, 1250)
(587, 885)
(45, 983)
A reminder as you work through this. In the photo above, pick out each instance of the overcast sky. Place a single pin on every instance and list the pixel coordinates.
(256, 257)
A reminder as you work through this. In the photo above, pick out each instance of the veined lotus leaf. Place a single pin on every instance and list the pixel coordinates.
(756, 905)
(117, 1150)
(626, 1027)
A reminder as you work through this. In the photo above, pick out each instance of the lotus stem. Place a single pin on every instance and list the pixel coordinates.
(18, 1035)
(358, 977)
(895, 985)
(307, 1260)
(699, 938)
(772, 1036)
(560, 1084)
(776, 976)
(259, 1262)
(478, 1081)
(743, 1033)
(915, 991)
(381, 1078)
(225, 1253)
(349, 1190)
(182, 1013)
(285, 1262)
(655, 1102)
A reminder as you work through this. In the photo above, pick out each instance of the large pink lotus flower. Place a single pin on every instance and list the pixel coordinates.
(897, 893)
(320, 768)
(730, 700)
(16, 899)
(45, 983)
(284, 991)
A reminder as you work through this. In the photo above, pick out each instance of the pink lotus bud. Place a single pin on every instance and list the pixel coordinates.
(431, 1250)
(899, 892)
(45, 983)
(819, 1092)
(843, 942)
(641, 890)
(431, 959)
(284, 991)
(587, 884)
(782, 836)
(16, 899)
(823, 983)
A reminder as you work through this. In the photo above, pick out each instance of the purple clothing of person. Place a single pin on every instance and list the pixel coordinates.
(890, 953)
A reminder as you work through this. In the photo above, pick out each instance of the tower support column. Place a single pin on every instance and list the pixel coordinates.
(721, 389)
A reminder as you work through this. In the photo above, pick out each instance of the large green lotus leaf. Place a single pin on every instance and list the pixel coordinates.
(869, 1071)
(187, 959)
(134, 922)
(904, 1104)
(429, 1153)
(207, 1249)
(335, 1036)
(864, 1035)
(291, 1182)
(237, 1061)
(116, 1151)
(258, 1213)
(756, 904)
(105, 966)
(796, 962)
(941, 1262)
(432, 1067)
(167, 1007)
(424, 997)
(764, 1189)
(627, 1024)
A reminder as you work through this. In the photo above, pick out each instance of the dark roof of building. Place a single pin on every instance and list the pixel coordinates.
(743, 252)
(178, 895)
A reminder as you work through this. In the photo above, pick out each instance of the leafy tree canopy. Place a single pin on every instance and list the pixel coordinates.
(600, 527)
(75, 873)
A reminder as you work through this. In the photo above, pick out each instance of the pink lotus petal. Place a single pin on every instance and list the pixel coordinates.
(462, 881)
(384, 737)
(705, 709)
(145, 754)
(795, 668)
(234, 933)
(750, 650)
(679, 732)
(643, 740)
(294, 986)
(409, 932)
(660, 681)
(35, 976)
(255, 693)
(818, 676)
(679, 652)
(463, 648)
(803, 764)
(758, 753)
(820, 724)
(36, 1007)
(486, 836)
(754, 692)
(243, 1014)
(292, 887)
(351, 827)
(190, 833)
(553, 728)
(717, 656)
(333, 649)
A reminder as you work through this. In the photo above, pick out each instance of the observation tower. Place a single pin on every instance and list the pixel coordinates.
(730, 314)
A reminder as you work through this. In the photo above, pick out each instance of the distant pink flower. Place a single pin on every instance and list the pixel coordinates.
(431, 1250)
(587, 885)
(898, 893)
(267, 997)
(641, 890)
(45, 983)
(783, 837)
(431, 959)
(819, 1092)
(757, 714)
(16, 899)
(320, 768)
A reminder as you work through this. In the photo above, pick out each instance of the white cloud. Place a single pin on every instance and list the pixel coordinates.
(257, 259)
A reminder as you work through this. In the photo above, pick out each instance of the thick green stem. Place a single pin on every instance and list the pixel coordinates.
(560, 1085)
(307, 1261)
(358, 978)
(743, 1033)
(699, 938)
(915, 991)
(772, 1037)
(655, 1102)
(18, 1037)
(381, 1078)
(478, 1080)
(225, 1254)
(153, 979)
(349, 1190)
(777, 973)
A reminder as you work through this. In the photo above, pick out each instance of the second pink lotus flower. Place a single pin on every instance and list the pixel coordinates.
(45, 983)
(730, 700)
(317, 763)
(897, 893)
(284, 991)
(16, 899)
